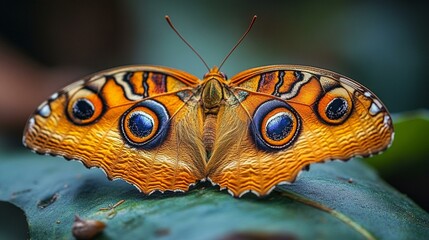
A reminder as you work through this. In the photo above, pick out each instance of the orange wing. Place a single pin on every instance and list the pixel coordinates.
(126, 121)
(279, 119)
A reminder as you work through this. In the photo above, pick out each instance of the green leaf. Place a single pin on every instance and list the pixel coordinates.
(409, 151)
(333, 200)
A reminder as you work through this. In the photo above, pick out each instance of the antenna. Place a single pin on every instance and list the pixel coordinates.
(239, 41)
(186, 42)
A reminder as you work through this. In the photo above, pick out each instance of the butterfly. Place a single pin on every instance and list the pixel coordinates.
(162, 129)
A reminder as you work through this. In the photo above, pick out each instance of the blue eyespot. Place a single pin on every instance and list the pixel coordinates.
(279, 126)
(275, 126)
(145, 125)
(140, 124)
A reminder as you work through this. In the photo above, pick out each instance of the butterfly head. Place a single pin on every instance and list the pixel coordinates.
(215, 73)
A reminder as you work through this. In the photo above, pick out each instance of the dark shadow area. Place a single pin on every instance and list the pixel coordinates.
(13, 222)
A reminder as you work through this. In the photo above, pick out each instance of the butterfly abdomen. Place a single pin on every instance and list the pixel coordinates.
(212, 97)
(209, 133)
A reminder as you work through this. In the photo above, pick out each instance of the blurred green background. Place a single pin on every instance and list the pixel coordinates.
(48, 44)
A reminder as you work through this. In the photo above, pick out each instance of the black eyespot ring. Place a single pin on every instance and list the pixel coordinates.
(145, 125)
(85, 107)
(335, 106)
(275, 126)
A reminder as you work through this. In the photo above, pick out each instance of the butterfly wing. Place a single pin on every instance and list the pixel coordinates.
(128, 121)
(279, 119)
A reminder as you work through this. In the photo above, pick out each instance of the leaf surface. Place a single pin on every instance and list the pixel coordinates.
(332, 200)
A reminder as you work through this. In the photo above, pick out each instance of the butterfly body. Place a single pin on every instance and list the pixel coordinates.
(212, 97)
(163, 129)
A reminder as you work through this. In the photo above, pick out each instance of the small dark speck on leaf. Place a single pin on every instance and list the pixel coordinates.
(259, 236)
(86, 229)
(21, 192)
(47, 201)
(15, 194)
(162, 232)
(349, 180)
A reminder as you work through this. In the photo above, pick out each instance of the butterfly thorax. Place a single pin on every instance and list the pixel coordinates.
(212, 98)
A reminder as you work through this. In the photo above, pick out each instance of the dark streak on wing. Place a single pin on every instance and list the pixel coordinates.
(279, 83)
(145, 85)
